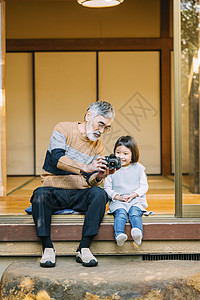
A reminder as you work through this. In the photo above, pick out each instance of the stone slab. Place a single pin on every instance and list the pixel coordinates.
(24, 249)
(113, 278)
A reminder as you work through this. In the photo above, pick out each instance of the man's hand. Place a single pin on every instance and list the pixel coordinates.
(103, 174)
(99, 164)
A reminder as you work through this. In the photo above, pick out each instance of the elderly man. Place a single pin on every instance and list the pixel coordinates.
(73, 169)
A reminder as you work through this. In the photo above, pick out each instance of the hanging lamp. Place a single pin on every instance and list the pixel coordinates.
(99, 3)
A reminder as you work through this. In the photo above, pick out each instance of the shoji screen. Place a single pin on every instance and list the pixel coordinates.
(65, 86)
(131, 82)
(19, 114)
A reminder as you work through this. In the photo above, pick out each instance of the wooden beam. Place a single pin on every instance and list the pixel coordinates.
(164, 18)
(72, 232)
(87, 44)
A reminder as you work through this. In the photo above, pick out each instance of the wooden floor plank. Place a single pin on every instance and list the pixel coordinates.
(160, 196)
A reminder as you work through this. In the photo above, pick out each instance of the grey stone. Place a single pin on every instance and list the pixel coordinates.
(114, 278)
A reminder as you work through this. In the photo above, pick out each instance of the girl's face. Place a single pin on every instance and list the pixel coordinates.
(124, 154)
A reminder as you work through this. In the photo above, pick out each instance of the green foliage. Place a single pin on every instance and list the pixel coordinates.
(190, 25)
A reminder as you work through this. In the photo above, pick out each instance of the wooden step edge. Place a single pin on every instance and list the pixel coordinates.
(72, 232)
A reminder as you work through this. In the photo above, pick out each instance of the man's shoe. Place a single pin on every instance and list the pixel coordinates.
(85, 257)
(120, 239)
(136, 234)
(48, 259)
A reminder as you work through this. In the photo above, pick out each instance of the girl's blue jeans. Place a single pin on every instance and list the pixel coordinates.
(135, 218)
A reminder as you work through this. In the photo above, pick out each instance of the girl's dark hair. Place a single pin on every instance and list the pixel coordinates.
(130, 143)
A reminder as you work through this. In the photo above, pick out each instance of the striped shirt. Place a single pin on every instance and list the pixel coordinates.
(67, 152)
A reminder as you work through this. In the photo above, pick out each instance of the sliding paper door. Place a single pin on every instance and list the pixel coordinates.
(65, 85)
(19, 112)
(131, 82)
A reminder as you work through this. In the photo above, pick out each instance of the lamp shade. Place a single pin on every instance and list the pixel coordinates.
(99, 3)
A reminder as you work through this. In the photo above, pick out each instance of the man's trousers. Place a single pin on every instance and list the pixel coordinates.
(46, 200)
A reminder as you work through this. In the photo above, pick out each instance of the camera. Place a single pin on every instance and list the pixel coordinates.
(113, 161)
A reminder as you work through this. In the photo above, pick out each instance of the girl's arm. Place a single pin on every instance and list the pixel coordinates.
(143, 185)
(143, 188)
(108, 187)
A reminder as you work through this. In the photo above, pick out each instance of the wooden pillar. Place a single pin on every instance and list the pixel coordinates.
(3, 168)
(165, 89)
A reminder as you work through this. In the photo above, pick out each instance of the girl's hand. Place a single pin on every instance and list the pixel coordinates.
(118, 197)
(128, 198)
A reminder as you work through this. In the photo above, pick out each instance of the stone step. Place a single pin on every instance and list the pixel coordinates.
(114, 278)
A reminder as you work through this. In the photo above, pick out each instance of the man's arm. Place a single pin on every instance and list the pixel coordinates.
(63, 162)
(59, 159)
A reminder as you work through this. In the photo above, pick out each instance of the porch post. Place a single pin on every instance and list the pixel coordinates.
(3, 160)
(177, 109)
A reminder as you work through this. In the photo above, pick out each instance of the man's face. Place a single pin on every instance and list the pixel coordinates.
(96, 126)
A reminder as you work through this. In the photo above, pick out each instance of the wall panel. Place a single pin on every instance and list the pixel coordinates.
(65, 85)
(67, 19)
(131, 82)
(19, 114)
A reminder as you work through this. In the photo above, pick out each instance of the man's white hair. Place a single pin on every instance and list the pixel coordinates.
(102, 108)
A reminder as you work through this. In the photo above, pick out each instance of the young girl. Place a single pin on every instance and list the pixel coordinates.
(127, 189)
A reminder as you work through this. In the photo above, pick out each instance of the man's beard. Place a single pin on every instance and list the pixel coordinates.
(92, 134)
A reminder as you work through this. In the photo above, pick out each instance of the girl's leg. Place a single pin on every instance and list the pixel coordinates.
(135, 218)
(120, 215)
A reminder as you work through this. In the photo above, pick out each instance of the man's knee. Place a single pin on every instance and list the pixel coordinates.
(39, 195)
(98, 194)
